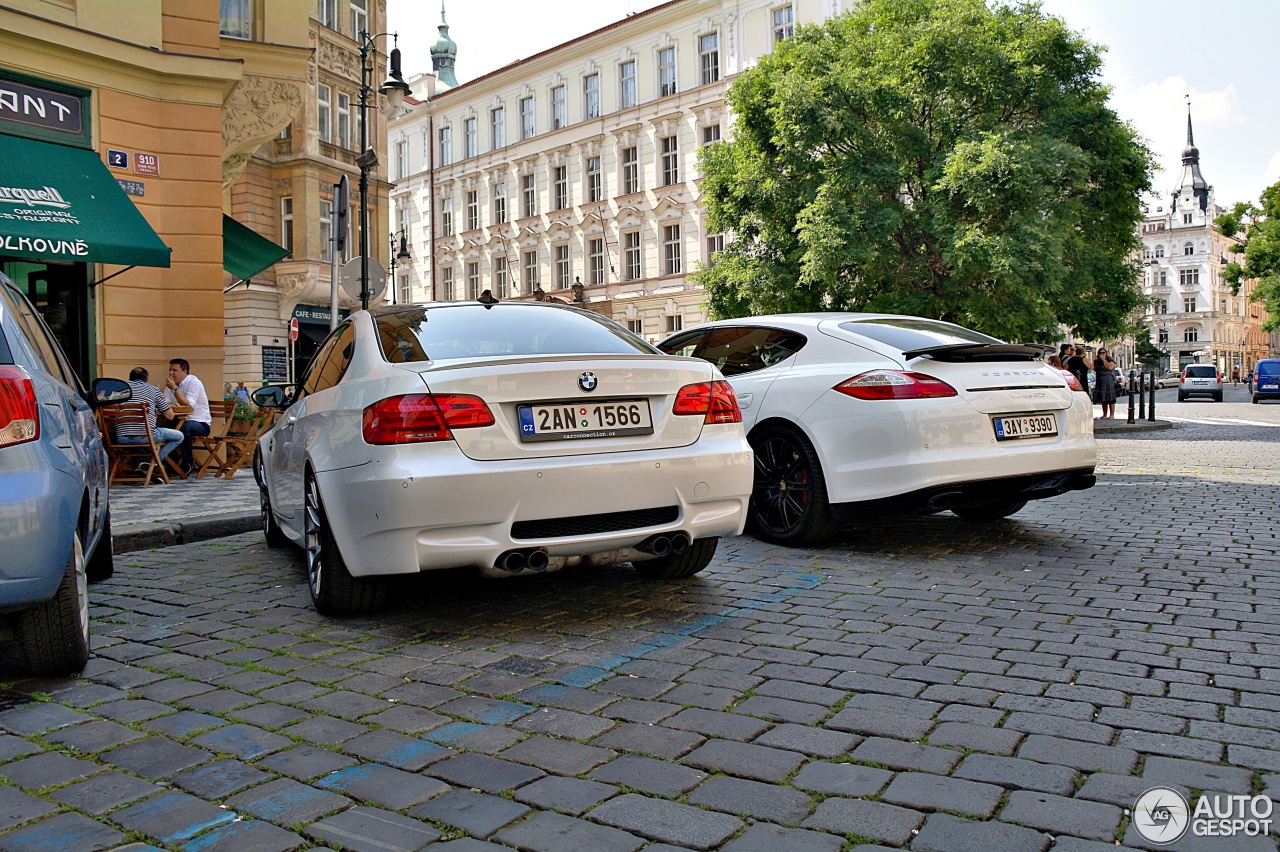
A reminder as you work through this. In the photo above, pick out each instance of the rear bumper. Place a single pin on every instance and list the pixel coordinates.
(1036, 486)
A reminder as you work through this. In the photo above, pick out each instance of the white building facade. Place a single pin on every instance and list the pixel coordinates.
(573, 174)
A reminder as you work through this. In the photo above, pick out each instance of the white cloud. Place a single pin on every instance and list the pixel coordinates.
(1271, 173)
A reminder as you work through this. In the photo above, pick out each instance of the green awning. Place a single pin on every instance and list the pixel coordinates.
(61, 203)
(244, 252)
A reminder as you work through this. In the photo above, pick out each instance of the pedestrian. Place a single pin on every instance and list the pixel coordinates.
(1064, 354)
(1055, 362)
(167, 440)
(1104, 390)
(1079, 367)
(186, 389)
(241, 392)
(1235, 376)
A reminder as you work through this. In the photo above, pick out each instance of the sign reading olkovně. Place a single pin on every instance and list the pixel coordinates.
(45, 204)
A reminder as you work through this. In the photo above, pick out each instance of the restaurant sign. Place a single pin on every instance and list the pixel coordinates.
(38, 204)
(42, 109)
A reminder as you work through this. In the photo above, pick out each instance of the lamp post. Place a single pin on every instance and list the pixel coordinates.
(395, 88)
(402, 255)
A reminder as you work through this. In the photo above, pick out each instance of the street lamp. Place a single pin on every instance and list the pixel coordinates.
(395, 88)
(403, 256)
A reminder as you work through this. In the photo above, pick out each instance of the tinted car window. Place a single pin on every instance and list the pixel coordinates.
(344, 346)
(736, 349)
(1202, 372)
(908, 333)
(1269, 368)
(476, 331)
(685, 344)
(316, 368)
(46, 347)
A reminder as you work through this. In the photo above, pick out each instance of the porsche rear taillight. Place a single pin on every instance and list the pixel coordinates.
(894, 384)
(1072, 381)
(713, 400)
(419, 418)
(19, 408)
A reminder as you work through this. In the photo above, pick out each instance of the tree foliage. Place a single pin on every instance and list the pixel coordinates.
(931, 157)
(1259, 230)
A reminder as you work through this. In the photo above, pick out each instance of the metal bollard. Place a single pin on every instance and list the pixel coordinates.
(1151, 408)
(1131, 383)
(1142, 396)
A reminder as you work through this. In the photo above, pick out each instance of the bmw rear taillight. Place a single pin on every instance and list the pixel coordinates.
(713, 400)
(419, 418)
(19, 408)
(894, 384)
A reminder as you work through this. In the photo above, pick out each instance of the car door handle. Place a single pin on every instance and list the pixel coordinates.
(744, 400)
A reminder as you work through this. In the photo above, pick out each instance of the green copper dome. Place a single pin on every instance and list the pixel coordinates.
(443, 53)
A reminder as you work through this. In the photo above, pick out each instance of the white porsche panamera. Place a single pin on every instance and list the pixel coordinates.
(515, 438)
(855, 414)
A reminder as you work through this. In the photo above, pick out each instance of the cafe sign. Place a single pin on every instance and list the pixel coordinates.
(43, 109)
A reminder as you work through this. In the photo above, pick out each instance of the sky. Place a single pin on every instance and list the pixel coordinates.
(1158, 53)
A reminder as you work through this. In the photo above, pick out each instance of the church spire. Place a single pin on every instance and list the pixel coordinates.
(443, 54)
(1193, 185)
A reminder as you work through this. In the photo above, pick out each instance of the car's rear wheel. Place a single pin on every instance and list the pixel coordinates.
(333, 590)
(55, 633)
(270, 529)
(988, 512)
(1255, 400)
(789, 495)
(1182, 397)
(1217, 397)
(102, 564)
(676, 566)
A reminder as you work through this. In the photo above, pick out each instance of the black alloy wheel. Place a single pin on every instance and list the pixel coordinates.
(789, 494)
(270, 529)
(333, 590)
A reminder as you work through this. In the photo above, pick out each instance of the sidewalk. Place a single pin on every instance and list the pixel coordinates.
(183, 511)
(1121, 426)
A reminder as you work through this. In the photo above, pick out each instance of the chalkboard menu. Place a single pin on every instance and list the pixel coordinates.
(275, 363)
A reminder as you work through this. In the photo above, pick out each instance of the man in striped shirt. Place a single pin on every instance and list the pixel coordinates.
(167, 440)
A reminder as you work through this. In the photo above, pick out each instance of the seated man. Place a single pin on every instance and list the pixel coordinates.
(167, 440)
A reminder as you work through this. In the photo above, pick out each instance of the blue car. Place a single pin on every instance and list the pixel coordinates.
(1266, 380)
(55, 523)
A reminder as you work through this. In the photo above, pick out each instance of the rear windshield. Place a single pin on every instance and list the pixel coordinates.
(474, 331)
(908, 333)
(1269, 368)
(1202, 372)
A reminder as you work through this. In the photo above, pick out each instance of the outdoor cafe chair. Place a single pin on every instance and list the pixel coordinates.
(130, 462)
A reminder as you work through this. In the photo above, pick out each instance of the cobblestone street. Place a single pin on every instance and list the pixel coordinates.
(918, 684)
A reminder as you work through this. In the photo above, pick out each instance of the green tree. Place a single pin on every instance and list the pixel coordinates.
(1149, 355)
(932, 157)
(1258, 228)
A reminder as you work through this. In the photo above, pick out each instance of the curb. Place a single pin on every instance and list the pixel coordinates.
(158, 534)
(1123, 427)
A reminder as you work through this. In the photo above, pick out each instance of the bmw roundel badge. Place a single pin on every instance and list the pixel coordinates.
(587, 381)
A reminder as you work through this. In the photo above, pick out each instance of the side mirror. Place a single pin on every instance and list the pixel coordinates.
(110, 392)
(272, 396)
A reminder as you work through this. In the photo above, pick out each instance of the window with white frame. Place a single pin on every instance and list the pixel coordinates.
(359, 18)
(286, 223)
(675, 322)
(405, 295)
(500, 203)
(1160, 306)
(526, 118)
(630, 170)
(709, 55)
(1189, 248)
(473, 279)
(446, 217)
(670, 161)
(1186, 218)
(530, 274)
(591, 96)
(1189, 277)
(559, 108)
(1160, 251)
(672, 250)
(470, 138)
(594, 190)
(562, 268)
(327, 13)
(560, 187)
(627, 84)
(344, 120)
(446, 283)
(595, 260)
(1189, 304)
(784, 23)
(1161, 278)
(711, 134)
(402, 159)
(445, 135)
(326, 230)
(528, 195)
(471, 203)
(324, 112)
(235, 19)
(631, 255)
(715, 244)
(1191, 335)
(498, 126)
(500, 282)
(635, 326)
(666, 71)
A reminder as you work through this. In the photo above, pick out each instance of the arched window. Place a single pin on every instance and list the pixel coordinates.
(1163, 336)
(1159, 251)
(1191, 335)
(1189, 248)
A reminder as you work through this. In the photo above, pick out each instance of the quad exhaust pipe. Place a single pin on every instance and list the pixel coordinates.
(515, 561)
(662, 544)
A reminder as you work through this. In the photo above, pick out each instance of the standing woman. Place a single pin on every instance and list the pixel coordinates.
(1104, 371)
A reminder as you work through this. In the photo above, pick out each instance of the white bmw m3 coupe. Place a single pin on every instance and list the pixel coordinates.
(511, 437)
(854, 414)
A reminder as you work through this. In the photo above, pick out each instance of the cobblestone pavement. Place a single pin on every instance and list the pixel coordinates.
(918, 684)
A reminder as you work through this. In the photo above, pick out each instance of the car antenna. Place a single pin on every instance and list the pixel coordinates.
(487, 299)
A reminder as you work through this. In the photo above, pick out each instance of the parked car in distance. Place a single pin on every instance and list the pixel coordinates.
(1200, 380)
(515, 438)
(1169, 380)
(852, 414)
(55, 517)
(1266, 380)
